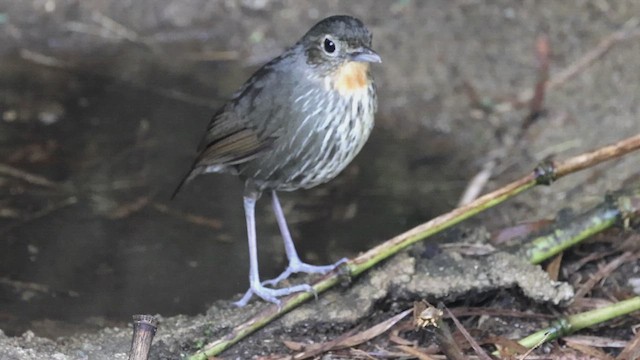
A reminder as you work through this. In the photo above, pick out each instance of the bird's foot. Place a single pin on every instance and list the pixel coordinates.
(272, 295)
(297, 266)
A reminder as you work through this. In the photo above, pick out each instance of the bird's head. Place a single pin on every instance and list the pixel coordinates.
(338, 49)
(336, 41)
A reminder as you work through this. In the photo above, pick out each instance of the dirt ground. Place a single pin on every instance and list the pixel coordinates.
(441, 60)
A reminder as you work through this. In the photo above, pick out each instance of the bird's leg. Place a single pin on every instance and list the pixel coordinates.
(256, 287)
(295, 264)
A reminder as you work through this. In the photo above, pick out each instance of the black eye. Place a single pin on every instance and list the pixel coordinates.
(329, 46)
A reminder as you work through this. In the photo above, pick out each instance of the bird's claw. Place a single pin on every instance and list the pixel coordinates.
(299, 266)
(272, 295)
(295, 266)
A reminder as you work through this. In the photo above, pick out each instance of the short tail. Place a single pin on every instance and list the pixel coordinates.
(190, 176)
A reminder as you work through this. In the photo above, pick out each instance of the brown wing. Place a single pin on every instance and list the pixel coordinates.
(228, 141)
(244, 128)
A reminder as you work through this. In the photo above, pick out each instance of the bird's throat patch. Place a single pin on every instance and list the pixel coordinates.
(351, 77)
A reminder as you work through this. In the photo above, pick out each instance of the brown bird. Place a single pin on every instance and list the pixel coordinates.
(296, 123)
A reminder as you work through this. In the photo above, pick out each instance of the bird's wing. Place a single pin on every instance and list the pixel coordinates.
(247, 125)
(230, 141)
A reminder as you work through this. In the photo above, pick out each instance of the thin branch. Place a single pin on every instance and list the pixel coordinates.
(602, 273)
(591, 57)
(474, 344)
(27, 177)
(577, 66)
(632, 350)
(350, 339)
(215, 224)
(49, 61)
(39, 214)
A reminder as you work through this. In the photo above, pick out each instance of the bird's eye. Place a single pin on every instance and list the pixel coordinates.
(329, 46)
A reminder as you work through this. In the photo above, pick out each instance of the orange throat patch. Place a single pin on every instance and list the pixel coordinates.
(351, 77)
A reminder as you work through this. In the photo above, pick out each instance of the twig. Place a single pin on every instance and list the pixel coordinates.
(49, 61)
(536, 104)
(542, 175)
(605, 271)
(572, 268)
(577, 66)
(590, 351)
(596, 341)
(23, 285)
(9, 213)
(632, 350)
(211, 223)
(350, 339)
(474, 344)
(590, 159)
(212, 55)
(315, 349)
(114, 27)
(483, 311)
(132, 207)
(27, 177)
(38, 288)
(591, 57)
(107, 28)
(43, 60)
(39, 214)
(144, 329)
(477, 183)
(414, 352)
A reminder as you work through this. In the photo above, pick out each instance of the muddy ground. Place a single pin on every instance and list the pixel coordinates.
(105, 100)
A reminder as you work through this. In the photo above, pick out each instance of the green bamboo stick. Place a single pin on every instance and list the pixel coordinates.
(573, 323)
(619, 207)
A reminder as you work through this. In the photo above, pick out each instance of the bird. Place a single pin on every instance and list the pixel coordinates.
(296, 123)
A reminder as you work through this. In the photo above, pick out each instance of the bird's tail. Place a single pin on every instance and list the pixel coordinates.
(188, 177)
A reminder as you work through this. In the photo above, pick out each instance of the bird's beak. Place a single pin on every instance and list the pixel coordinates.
(365, 55)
